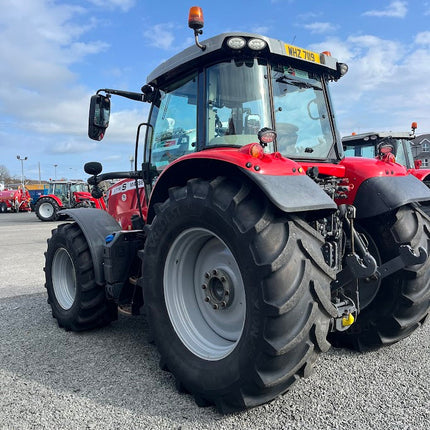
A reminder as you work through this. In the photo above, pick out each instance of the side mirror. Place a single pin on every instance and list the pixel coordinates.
(98, 118)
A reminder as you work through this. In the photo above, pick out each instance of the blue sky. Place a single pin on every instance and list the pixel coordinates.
(56, 54)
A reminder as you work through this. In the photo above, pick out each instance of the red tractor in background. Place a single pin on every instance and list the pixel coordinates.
(381, 144)
(65, 195)
(15, 200)
(255, 241)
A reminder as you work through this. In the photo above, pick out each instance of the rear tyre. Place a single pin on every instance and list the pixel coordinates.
(3, 207)
(402, 301)
(47, 209)
(231, 293)
(77, 302)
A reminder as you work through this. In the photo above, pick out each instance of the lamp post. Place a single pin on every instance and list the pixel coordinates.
(18, 157)
(55, 171)
(131, 162)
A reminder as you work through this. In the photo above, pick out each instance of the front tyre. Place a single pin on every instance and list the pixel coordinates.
(231, 289)
(47, 209)
(402, 301)
(77, 302)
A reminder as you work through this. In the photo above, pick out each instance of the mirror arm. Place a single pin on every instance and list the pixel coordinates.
(140, 97)
(96, 179)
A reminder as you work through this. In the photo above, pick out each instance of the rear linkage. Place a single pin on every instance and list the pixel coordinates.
(360, 264)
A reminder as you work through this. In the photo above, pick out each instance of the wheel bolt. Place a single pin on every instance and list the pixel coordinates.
(223, 304)
(207, 299)
(215, 272)
(204, 286)
(226, 293)
(223, 279)
(207, 275)
(215, 306)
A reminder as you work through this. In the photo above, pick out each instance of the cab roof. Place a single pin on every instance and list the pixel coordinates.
(216, 48)
(374, 135)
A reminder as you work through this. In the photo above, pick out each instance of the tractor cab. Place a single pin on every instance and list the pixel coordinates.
(68, 192)
(376, 144)
(235, 91)
(244, 92)
(387, 146)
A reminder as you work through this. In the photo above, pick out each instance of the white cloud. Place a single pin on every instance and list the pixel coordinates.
(396, 9)
(320, 27)
(39, 41)
(423, 38)
(384, 88)
(161, 35)
(72, 146)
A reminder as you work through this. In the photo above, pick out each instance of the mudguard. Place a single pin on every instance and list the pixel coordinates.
(293, 193)
(381, 194)
(96, 225)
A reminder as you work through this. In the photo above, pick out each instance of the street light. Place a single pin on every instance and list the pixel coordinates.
(55, 171)
(18, 157)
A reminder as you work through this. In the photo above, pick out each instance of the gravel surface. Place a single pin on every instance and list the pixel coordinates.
(110, 378)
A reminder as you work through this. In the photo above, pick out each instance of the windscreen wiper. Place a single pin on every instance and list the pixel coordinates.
(299, 82)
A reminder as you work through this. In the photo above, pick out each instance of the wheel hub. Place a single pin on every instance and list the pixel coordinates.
(204, 293)
(218, 288)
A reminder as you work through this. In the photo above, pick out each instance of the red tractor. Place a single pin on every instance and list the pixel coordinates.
(253, 238)
(65, 195)
(381, 144)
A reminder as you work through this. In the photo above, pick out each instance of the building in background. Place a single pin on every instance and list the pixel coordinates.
(421, 150)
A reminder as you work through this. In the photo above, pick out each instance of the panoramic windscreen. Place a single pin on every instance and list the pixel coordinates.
(238, 103)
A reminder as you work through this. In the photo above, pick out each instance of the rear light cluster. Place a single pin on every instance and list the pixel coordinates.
(239, 43)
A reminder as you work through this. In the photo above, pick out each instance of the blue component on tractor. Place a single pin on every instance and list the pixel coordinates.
(109, 238)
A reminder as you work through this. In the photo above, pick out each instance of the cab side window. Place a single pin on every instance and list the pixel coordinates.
(175, 123)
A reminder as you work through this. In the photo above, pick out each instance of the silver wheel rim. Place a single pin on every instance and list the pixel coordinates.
(64, 278)
(46, 210)
(204, 294)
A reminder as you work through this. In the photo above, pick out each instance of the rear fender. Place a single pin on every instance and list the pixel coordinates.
(288, 192)
(381, 194)
(96, 225)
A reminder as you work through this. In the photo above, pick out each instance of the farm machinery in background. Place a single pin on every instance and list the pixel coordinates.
(15, 200)
(387, 146)
(65, 195)
(254, 241)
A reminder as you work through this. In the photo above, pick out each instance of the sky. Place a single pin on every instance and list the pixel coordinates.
(55, 54)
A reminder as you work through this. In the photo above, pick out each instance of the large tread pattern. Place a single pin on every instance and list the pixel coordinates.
(290, 324)
(91, 309)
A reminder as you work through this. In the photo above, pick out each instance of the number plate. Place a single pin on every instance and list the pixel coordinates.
(303, 54)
